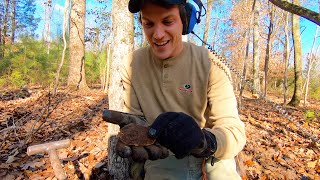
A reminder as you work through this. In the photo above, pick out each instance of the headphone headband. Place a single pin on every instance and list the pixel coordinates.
(193, 15)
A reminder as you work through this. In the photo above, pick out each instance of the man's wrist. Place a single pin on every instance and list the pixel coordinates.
(208, 147)
(211, 140)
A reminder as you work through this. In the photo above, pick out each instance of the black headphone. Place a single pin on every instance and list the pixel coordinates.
(192, 16)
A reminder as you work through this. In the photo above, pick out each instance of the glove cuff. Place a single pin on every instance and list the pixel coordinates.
(208, 147)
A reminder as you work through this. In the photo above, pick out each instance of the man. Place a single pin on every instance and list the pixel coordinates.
(185, 94)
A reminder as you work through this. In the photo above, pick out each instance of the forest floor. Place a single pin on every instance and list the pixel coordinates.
(276, 147)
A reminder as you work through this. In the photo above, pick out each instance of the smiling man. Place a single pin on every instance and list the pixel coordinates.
(186, 96)
(163, 29)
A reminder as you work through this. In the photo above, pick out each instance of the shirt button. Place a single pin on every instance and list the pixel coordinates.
(166, 65)
(166, 76)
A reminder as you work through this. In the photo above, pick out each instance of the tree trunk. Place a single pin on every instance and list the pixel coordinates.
(215, 33)
(13, 20)
(311, 59)
(1, 43)
(298, 10)
(256, 49)
(47, 24)
(122, 25)
(286, 57)
(295, 100)
(1, 31)
(244, 72)
(65, 28)
(208, 18)
(268, 49)
(76, 77)
(106, 75)
(103, 68)
(5, 22)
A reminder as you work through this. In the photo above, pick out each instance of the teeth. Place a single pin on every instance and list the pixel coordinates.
(161, 43)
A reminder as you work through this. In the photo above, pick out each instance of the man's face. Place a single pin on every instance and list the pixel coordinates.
(163, 29)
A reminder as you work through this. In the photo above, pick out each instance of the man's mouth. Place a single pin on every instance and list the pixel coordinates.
(163, 43)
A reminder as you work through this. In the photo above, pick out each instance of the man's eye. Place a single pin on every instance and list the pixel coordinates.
(147, 24)
(167, 22)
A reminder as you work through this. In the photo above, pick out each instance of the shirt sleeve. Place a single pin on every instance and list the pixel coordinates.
(224, 121)
(131, 103)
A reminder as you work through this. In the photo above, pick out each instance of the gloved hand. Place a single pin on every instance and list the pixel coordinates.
(136, 144)
(182, 135)
(142, 152)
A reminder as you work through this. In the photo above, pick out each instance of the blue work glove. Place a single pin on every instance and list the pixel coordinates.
(182, 135)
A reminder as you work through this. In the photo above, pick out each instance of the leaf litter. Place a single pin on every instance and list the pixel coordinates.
(275, 148)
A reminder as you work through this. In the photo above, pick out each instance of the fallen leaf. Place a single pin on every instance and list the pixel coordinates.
(318, 167)
(91, 158)
(82, 168)
(9, 177)
(12, 157)
(33, 165)
(312, 164)
(310, 152)
(290, 174)
(249, 163)
(97, 166)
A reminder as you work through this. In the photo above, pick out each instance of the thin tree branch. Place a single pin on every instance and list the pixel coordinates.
(298, 10)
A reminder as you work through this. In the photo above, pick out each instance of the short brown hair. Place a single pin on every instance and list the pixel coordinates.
(182, 12)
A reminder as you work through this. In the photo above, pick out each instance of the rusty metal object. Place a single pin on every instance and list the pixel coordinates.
(134, 141)
(135, 135)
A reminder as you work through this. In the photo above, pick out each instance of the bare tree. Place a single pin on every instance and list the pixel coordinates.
(76, 77)
(47, 23)
(122, 25)
(286, 57)
(5, 22)
(1, 30)
(268, 49)
(256, 48)
(245, 65)
(208, 18)
(298, 10)
(247, 36)
(311, 60)
(105, 76)
(13, 19)
(295, 100)
(65, 28)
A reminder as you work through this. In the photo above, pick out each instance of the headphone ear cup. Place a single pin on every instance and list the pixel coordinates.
(191, 14)
(134, 6)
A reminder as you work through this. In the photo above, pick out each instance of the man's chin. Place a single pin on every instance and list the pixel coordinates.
(161, 55)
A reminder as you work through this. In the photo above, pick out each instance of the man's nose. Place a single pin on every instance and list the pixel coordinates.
(159, 32)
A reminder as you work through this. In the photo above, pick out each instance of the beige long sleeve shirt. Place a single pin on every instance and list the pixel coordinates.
(194, 82)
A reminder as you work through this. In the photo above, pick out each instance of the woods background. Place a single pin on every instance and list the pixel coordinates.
(79, 45)
(33, 45)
